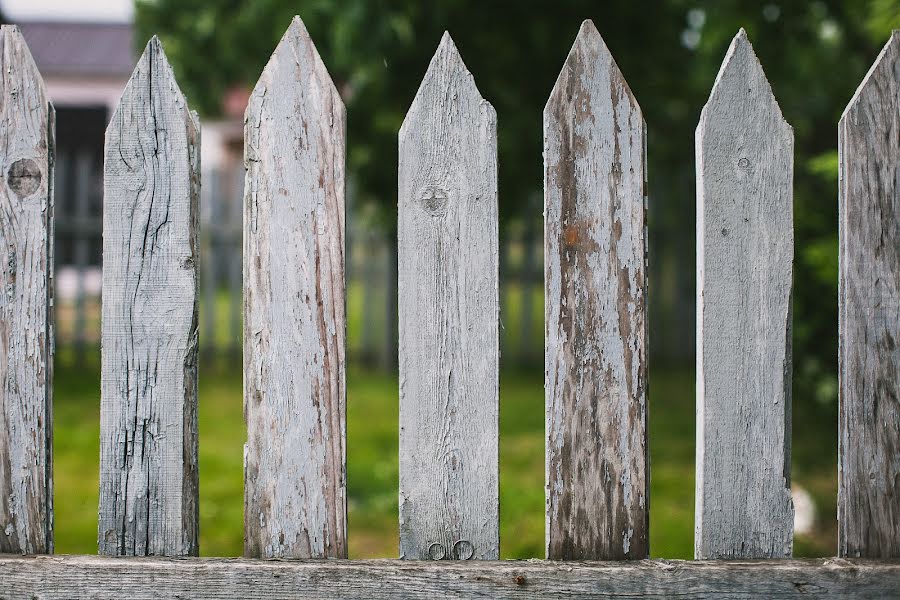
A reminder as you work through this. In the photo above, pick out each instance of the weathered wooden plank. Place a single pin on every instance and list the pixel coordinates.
(294, 324)
(52, 577)
(148, 407)
(448, 309)
(869, 314)
(596, 306)
(745, 249)
(26, 313)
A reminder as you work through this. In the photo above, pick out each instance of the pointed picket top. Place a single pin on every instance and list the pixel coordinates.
(868, 294)
(589, 51)
(26, 268)
(745, 248)
(882, 70)
(296, 60)
(153, 66)
(445, 70)
(596, 325)
(448, 306)
(741, 85)
(19, 64)
(294, 299)
(148, 433)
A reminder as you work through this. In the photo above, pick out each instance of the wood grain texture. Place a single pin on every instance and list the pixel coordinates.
(448, 308)
(148, 407)
(745, 249)
(294, 324)
(58, 577)
(595, 303)
(869, 314)
(26, 313)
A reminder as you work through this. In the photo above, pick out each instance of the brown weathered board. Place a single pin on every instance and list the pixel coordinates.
(745, 253)
(294, 326)
(148, 406)
(448, 309)
(596, 306)
(869, 309)
(61, 577)
(26, 298)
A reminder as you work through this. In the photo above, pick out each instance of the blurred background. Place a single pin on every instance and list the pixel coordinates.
(815, 55)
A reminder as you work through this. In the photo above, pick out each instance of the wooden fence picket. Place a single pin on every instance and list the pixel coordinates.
(26, 312)
(869, 309)
(596, 306)
(294, 323)
(148, 409)
(745, 245)
(448, 308)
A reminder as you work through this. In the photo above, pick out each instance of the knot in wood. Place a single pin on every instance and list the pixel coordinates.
(24, 177)
(433, 199)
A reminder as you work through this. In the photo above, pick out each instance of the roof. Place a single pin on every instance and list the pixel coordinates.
(61, 48)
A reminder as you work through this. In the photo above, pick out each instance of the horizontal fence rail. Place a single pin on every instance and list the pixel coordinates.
(54, 577)
(595, 223)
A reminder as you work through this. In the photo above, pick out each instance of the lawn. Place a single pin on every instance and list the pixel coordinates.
(372, 477)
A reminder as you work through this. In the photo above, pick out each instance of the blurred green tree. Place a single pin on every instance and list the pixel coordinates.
(814, 53)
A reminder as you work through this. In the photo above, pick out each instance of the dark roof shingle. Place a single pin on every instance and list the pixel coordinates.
(81, 48)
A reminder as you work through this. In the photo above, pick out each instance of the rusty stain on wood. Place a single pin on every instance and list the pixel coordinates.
(596, 305)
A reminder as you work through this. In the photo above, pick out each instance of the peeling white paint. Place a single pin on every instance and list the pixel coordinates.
(596, 336)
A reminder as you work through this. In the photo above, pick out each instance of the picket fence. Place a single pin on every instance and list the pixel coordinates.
(597, 469)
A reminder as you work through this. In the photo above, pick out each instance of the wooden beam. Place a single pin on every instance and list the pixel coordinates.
(294, 327)
(61, 577)
(745, 256)
(596, 310)
(148, 405)
(449, 345)
(26, 305)
(869, 314)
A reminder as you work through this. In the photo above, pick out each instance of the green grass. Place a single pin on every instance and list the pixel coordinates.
(372, 464)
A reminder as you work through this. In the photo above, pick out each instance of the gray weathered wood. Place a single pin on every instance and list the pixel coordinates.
(148, 407)
(448, 309)
(869, 314)
(26, 313)
(595, 303)
(61, 577)
(294, 324)
(745, 246)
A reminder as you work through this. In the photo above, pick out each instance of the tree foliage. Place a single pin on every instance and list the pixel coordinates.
(814, 53)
